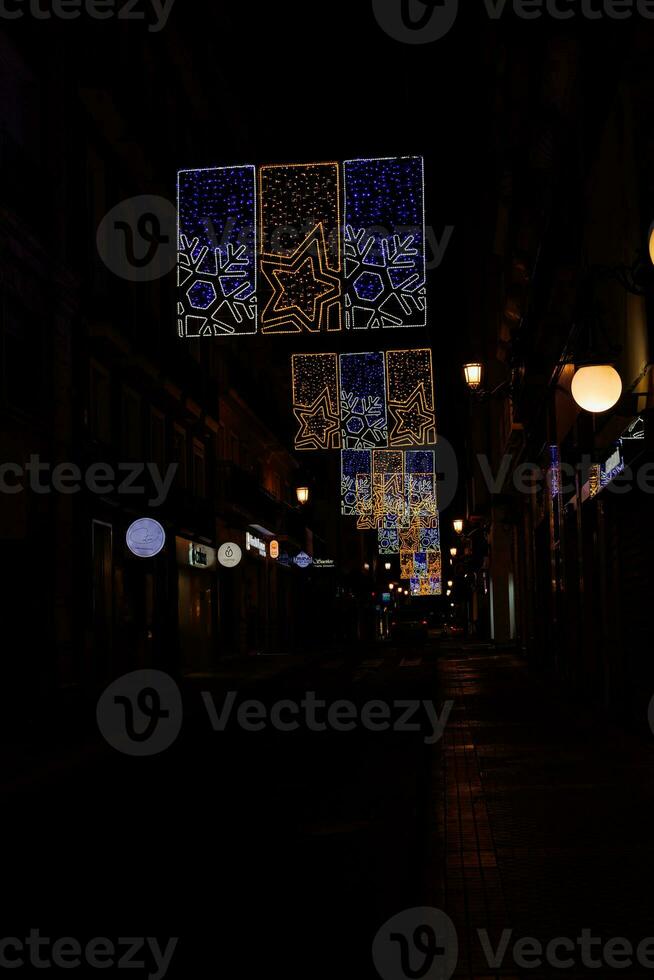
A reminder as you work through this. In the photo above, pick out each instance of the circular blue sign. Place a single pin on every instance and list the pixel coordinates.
(145, 537)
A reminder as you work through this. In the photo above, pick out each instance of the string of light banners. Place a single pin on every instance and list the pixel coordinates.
(327, 248)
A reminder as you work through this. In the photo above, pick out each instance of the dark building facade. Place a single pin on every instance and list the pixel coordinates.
(96, 379)
(559, 565)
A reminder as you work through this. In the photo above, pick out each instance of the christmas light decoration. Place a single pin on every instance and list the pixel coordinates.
(426, 585)
(364, 421)
(300, 234)
(388, 541)
(366, 520)
(429, 539)
(384, 243)
(410, 539)
(316, 403)
(410, 384)
(434, 563)
(375, 390)
(420, 564)
(354, 463)
(406, 564)
(216, 236)
(388, 487)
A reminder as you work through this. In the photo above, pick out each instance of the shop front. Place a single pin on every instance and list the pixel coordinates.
(197, 605)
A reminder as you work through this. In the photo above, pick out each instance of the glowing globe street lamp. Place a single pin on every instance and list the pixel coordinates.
(596, 387)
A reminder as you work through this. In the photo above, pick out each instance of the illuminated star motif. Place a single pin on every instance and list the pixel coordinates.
(300, 288)
(303, 288)
(320, 425)
(414, 422)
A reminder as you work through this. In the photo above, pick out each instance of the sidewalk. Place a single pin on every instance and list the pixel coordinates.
(544, 818)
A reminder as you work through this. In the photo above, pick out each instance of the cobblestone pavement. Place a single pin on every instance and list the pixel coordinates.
(544, 820)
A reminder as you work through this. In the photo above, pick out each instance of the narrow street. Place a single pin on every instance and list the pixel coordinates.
(268, 850)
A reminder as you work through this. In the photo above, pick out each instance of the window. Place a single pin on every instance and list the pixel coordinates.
(131, 441)
(199, 469)
(99, 419)
(179, 456)
(102, 584)
(277, 486)
(158, 438)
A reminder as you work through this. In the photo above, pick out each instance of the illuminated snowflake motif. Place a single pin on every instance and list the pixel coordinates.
(363, 420)
(386, 280)
(348, 496)
(218, 290)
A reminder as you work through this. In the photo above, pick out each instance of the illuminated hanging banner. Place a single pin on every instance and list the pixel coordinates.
(384, 243)
(410, 380)
(354, 463)
(423, 570)
(300, 232)
(364, 422)
(425, 585)
(420, 564)
(388, 541)
(364, 508)
(434, 564)
(316, 403)
(410, 539)
(374, 393)
(388, 487)
(406, 564)
(393, 540)
(216, 274)
(422, 503)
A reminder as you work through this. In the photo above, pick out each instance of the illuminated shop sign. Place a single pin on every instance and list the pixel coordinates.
(229, 555)
(145, 538)
(555, 472)
(323, 563)
(613, 466)
(303, 560)
(594, 484)
(274, 549)
(252, 543)
(635, 430)
(201, 556)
